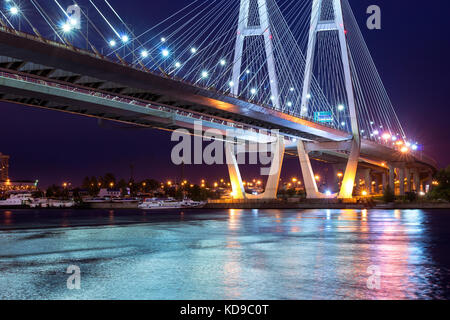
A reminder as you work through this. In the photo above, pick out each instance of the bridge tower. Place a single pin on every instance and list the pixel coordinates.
(318, 24)
(245, 30)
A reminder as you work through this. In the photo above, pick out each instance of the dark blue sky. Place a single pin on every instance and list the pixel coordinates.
(411, 53)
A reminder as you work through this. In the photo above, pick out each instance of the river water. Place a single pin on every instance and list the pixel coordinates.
(226, 254)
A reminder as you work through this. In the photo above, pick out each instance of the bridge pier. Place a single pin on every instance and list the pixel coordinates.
(391, 181)
(408, 180)
(271, 189)
(309, 181)
(401, 179)
(367, 181)
(416, 179)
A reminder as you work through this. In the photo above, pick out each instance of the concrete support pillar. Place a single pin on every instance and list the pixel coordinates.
(274, 172)
(367, 180)
(308, 175)
(408, 180)
(312, 192)
(384, 179)
(391, 181)
(233, 170)
(401, 178)
(273, 179)
(416, 178)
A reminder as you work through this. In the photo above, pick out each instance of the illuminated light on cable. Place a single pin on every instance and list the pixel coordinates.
(66, 28)
(14, 10)
(376, 132)
(163, 39)
(386, 136)
(362, 131)
(205, 74)
(144, 53)
(272, 98)
(308, 96)
(193, 50)
(328, 193)
(247, 71)
(341, 107)
(177, 64)
(414, 147)
(343, 123)
(404, 149)
(394, 138)
(289, 104)
(231, 83)
(253, 91)
(125, 38)
(371, 123)
(292, 89)
(112, 43)
(165, 52)
(222, 62)
(304, 109)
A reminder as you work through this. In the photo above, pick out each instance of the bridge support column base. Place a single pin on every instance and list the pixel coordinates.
(348, 182)
(271, 189)
(309, 181)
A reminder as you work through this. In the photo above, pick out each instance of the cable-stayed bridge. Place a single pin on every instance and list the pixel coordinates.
(300, 67)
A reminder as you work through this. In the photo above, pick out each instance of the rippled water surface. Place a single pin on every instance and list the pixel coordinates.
(225, 254)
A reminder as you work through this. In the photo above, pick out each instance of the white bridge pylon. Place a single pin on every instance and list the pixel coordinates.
(262, 30)
(353, 146)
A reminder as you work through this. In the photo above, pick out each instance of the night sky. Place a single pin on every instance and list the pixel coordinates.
(411, 52)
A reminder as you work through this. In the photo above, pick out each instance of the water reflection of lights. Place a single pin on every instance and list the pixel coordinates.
(233, 220)
(364, 214)
(8, 217)
(111, 216)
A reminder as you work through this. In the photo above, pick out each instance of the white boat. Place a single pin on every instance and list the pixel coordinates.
(17, 200)
(155, 203)
(51, 203)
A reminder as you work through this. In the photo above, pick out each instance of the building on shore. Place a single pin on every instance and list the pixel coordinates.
(4, 166)
(9, 186)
